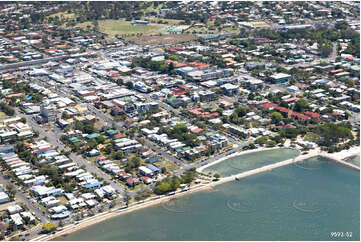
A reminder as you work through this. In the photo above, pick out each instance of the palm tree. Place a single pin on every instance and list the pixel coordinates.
(127, 197)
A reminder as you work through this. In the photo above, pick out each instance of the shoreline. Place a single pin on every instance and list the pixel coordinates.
(71, 228)
(200, 169)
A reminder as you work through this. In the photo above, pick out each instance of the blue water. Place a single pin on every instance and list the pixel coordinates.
(307, 201)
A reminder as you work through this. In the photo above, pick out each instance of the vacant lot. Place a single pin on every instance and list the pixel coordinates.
(61, 15)
(121, 27)
(163, 39)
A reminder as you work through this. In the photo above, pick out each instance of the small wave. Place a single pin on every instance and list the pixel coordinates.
(294, 204)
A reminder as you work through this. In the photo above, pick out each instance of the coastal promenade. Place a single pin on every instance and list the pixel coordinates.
(337, 157)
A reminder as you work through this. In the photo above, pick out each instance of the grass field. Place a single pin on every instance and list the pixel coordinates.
(121, 27)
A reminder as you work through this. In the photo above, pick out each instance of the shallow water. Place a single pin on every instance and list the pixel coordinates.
(251, 161)
(307, 201)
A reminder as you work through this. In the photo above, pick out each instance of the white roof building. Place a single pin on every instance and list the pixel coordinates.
(17, 219)
(14, 209)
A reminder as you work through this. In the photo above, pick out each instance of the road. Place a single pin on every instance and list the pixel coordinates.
(54, 137)
(119, 125)
(333, 55)
(21, 197)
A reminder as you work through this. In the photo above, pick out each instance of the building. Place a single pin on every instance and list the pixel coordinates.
(139, 22)
(280, 78)
(48, 112)
(254, 84)
(237, 131)
(145, 171)
(230, 89)
(154, 169)
(253, 65)
(17, 220)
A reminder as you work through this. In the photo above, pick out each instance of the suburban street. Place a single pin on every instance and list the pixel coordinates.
(21, 197)
(54, 139)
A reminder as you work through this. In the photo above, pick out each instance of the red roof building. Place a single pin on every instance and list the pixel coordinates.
(282, 109)
(132, 181)
(209, 115)
(101, 157)
(50, 50)
(291, 99)
(123, 175)
(197, 130)
(196, 111)
(300, 116)
(312, 114)
(14, 95)
(268, 105)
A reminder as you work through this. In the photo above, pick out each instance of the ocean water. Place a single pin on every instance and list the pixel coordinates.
(306, 201)
(251, 161)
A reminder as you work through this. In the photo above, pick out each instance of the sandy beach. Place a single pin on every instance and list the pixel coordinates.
(345, 153)
(151, 202)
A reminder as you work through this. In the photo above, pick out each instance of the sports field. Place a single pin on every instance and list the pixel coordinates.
(121, 27)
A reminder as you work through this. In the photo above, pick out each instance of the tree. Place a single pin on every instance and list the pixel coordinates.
(141, 195)
(301, 105)
(23, 120)
(189, 176)
(241, 112)
(261, 140)
(127, 197)
(130, 85)
(164, 170)
(217, 176)
(100, 139)
(10, 188)
(15, 238)
(26, 220)
(325, 50)
(276, 117)
(12, 226)
(49, 227)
